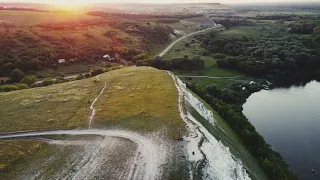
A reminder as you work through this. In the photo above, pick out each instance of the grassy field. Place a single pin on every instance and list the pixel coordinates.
(131, 93)
(75, 68)
(255, 13)
(249, 31)
(139, 99)
(27, 18)
(60, 106)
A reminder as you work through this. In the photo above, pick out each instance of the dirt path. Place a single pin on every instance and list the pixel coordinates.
(148, 162)
(191, 34)
(93, 110)
(144, 165)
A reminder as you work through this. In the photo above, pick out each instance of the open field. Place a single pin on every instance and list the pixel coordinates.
(262, 13)
(133, 100)
(46, 108)
(249, 31)
(138, 126)
(27, 18)
(60, 106)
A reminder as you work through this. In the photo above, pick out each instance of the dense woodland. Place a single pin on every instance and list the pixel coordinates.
(180, 63)
(279, 56)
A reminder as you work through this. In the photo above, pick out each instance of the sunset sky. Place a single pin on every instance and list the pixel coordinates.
(81, 2)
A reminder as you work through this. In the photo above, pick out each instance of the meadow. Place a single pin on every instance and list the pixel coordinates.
(139, 99)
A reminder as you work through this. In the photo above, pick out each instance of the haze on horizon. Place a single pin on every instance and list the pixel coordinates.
(83, 2)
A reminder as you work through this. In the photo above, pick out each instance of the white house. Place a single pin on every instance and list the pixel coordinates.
(107, 56)
(60, 61)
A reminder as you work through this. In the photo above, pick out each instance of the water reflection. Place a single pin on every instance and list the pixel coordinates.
(289, 119)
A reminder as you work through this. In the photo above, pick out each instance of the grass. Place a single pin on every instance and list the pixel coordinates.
(75, 68)
(27, 18)
(266, 13)
(61, 106)
(141, 99)
(249, 31)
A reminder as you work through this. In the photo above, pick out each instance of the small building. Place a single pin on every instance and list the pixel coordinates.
(107, 56)
(252, 83)
(60, 61)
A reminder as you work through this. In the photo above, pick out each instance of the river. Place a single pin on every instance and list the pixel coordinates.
(289, 120)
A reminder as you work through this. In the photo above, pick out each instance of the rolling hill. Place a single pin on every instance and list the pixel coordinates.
(136, 122)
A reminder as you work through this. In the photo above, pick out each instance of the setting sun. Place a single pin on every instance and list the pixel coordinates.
(70, 3)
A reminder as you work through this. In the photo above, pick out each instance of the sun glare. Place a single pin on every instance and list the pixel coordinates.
(70, 3)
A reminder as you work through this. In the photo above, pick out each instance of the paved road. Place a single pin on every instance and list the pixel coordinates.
(191, 34)
(212, 77)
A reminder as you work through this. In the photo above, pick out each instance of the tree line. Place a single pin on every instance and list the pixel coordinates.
(228, 103)
(179, 63)
(279, 56)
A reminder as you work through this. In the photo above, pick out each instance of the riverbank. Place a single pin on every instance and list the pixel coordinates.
(228, 103)
(288, 120)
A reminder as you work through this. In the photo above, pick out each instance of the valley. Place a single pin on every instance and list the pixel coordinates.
(152, 91)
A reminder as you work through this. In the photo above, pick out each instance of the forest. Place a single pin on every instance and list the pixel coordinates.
(33, 47)
(280, 56)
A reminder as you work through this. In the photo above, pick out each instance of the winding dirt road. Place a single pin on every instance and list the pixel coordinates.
(149, 161)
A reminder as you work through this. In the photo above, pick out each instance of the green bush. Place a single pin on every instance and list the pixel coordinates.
(79, 77)
(8, 88)
(28, 80)
(47, 82)
(22, 86)
(95, 72)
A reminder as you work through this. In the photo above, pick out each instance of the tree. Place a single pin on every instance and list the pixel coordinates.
(16, 75)
(6, 69)
(29, 80)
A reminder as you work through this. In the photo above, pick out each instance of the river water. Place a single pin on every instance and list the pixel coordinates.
(289, 120)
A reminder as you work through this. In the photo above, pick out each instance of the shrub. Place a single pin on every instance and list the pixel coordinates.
(219, 56)
(87, 75)
(47, 82)
(16, 75)
(95, 72)
(22, 86)
(8, 88)
(29, 80)
(79, 77)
